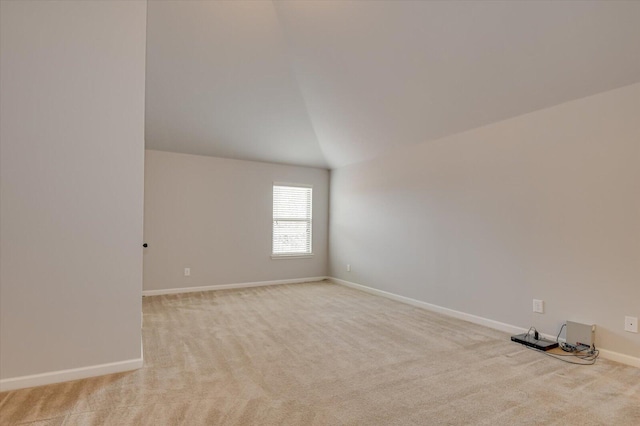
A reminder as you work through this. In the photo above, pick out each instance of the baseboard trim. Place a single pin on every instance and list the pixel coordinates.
(68, 375)
(621, 358)
(229, 286)
(508, 328)
(496, 325)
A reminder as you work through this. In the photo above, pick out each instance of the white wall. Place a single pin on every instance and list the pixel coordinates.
(213, 215)
(545, 205)
(72, 159)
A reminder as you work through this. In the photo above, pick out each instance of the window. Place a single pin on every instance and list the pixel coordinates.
(291, 220)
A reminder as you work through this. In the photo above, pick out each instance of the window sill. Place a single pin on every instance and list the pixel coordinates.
(291, 256)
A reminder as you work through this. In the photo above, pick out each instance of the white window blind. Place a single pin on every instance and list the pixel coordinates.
(291, 220)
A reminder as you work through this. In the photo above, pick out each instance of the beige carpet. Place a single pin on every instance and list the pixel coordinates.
(322, 354)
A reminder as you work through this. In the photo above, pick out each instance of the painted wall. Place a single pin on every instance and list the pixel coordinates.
(72, 170)
(545, 205)
(213, 215)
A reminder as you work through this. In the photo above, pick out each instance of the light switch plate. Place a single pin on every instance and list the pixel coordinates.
(538, 306)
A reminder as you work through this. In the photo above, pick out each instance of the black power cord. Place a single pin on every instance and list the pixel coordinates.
(587, 359)
(563, 346)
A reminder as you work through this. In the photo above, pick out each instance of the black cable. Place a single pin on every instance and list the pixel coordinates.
(560, 332)
(588, 360)
(565, 347)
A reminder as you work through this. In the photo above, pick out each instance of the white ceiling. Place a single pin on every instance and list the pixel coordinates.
(330, 83)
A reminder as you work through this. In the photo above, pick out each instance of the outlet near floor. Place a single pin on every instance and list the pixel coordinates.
(631, 324)
(187, 272)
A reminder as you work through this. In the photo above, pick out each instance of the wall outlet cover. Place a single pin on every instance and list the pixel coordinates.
(538, 306)
(631, 324)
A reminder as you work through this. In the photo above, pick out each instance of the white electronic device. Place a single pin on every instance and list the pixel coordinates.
(580, 335)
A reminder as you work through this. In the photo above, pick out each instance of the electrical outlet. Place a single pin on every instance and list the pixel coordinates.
(187, 272)
(348, 267)
(538, 306)
(631, 324)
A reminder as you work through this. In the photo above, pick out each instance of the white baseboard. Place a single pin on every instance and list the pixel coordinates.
(496, 325)
(68, 375)
(229, 286)
(508, 328)
(621, 358)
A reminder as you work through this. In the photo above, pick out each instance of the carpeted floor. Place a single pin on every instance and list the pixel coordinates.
(323, 354)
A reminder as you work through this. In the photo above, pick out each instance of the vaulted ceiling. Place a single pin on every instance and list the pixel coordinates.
(330, 83)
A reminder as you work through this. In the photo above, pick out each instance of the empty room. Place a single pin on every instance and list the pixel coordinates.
(319, 212)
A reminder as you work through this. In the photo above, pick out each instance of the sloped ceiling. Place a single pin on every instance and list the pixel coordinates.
(330, 83)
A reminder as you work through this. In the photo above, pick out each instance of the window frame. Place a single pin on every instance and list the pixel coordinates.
(276, 256)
